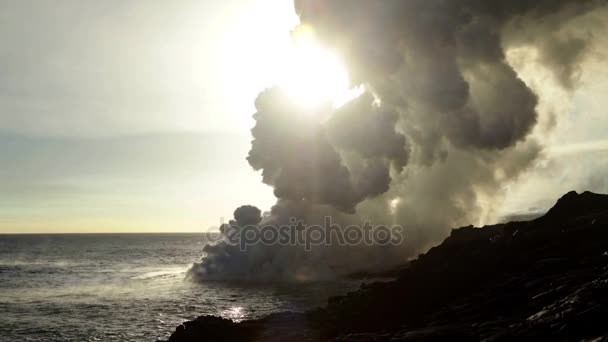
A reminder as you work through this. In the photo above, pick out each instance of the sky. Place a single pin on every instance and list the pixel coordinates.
(131, 115)
(134, 116)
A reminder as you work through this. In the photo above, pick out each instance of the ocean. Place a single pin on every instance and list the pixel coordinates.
(125, 287)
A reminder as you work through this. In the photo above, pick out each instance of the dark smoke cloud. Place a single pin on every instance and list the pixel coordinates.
(247, 215)
(368, 129)
(445, 124)
(447, 58)
(292, 148)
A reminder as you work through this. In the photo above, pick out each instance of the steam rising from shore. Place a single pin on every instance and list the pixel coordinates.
(444, 124)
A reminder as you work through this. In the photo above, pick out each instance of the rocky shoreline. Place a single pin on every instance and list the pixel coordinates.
(546, 278)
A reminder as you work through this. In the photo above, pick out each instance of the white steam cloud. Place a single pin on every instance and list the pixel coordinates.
(451, 128)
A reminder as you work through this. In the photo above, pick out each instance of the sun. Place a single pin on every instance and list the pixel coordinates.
(312, 74)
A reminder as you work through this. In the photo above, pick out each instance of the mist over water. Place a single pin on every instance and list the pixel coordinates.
(125, 287)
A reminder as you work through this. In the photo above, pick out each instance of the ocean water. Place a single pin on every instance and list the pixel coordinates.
(125, 287)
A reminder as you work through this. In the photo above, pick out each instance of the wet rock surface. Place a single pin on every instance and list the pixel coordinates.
(540, 279)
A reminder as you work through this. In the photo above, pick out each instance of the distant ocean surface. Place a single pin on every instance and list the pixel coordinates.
(124, 287)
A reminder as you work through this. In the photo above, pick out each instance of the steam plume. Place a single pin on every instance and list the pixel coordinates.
(444, 125)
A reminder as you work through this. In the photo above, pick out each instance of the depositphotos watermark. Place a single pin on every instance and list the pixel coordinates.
(297, 233)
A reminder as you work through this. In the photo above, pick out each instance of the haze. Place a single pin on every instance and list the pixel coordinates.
(134, 116)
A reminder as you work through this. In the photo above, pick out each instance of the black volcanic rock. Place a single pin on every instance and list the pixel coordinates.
(543, 279)
(580, 205)
(287, 326)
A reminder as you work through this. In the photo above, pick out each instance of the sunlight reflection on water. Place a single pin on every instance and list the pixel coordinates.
(235, 313)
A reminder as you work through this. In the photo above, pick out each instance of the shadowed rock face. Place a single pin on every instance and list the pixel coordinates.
(546, 278)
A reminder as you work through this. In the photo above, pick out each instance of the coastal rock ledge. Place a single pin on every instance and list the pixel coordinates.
(544, 279)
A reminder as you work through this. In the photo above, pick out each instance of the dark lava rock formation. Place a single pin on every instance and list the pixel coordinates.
(545, 279)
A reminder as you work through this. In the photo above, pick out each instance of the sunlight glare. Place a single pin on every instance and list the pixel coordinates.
(313, 75)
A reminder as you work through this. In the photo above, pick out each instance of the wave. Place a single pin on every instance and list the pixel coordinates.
(38, 263)
(170, 272)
